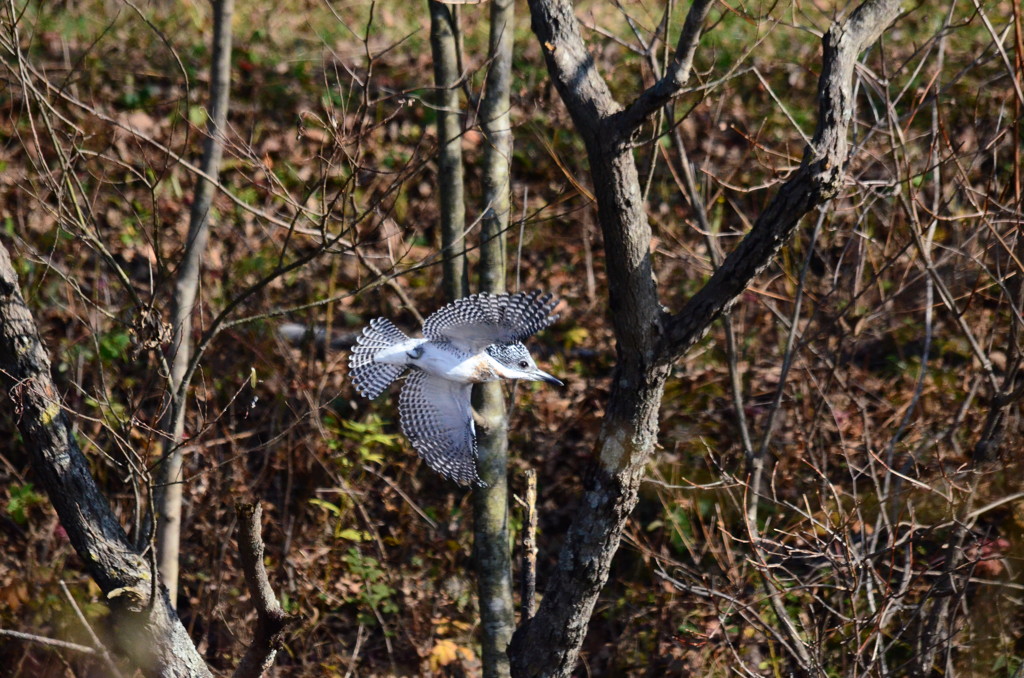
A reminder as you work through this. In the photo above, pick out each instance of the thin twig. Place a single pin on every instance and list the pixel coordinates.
(43, 640)
(100, 647)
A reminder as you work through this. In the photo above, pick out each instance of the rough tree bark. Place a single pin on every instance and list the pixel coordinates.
(170, 496)
(648, 339)
(147, 629)
(490, 505)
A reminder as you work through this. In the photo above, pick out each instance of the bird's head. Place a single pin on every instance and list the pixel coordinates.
(515, 362)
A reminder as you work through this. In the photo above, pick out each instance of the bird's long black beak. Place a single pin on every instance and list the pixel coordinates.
(544, 376)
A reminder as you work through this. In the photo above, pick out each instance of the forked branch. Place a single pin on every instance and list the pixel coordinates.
(678, 72)
(649, 340)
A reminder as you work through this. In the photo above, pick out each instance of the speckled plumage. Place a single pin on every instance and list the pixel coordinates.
(508, 354)
(372, 378)
(474, 339)
(477, 321)
(437, 419)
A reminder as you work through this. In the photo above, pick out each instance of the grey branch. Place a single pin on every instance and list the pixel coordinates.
(648, 339)
(49, 642)
(100, 648)
(186, 294)
(272, 622)
(676, 75)
(149, 632)
(818, 180)
(490, 505)
(528, 597)
(444, 37)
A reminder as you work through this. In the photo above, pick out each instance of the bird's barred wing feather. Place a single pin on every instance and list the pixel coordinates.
(437, 418)
(479, 320)
(370, 377)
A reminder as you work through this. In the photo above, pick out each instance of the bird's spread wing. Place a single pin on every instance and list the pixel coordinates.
(437, 418)
(480, 320)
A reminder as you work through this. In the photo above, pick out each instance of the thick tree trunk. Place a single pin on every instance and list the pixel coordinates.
(549, 643)
(170, 496)
(148, 630)
(648, 339)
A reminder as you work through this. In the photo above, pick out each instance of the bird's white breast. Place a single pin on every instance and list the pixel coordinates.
(442, 359)
(449, 362)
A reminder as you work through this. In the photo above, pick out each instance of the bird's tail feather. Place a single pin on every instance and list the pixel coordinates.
(372, 378)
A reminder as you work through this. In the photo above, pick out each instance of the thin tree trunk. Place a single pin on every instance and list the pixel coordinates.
(146, 627)
(490, 505)
(491, 534)
(496, 121)
(648, 339)
(170, 498)
(444, 47)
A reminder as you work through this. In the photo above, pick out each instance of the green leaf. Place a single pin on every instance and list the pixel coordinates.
(113, 345)
(328, 506)
(23, 497)
(197, 115)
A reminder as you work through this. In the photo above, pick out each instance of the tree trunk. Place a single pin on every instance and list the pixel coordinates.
(444, 32)
(491, 537)
(170, 497)
(496, 121)
(549, 643)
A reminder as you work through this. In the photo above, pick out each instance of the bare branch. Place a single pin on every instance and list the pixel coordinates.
(818, 180)
(648, 340)
(528, 574)
(186, 295)
(491, 532)
(444, 37)
(678, 72)
(272, 621)
(571, 67)
(49, 642)
(100, 648)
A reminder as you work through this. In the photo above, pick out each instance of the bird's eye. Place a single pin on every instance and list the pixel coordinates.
(523, 364)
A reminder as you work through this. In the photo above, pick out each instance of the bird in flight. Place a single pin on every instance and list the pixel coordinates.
(471, 340)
